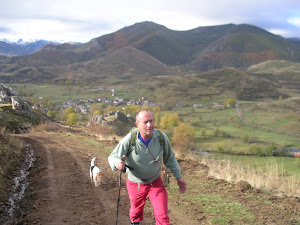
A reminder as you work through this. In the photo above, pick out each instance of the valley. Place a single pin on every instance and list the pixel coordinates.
(236, 86)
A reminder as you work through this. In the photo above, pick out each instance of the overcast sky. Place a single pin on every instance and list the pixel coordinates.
(83, 20)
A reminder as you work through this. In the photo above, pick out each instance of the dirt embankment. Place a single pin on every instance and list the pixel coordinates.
(60, 191)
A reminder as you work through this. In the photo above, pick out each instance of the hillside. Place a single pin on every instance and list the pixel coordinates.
(150, 49)
(16, 115)
(285, 72)
(217, 84)
(62, 162)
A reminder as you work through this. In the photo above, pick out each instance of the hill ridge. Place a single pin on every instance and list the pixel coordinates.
(197, 50)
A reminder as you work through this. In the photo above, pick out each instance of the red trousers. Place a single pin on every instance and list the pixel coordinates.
(158, 196)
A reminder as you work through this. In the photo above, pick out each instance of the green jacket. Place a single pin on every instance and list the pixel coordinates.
(145, 169)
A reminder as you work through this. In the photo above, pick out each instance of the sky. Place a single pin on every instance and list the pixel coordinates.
(83, 20)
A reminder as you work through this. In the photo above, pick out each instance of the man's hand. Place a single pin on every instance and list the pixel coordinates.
(182, 185)
(120, 163)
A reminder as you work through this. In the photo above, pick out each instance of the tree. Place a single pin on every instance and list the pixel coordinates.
(97, 112)
(110, 108)
(47, 101)
(99, 106)
(169, 121)
(231, 103)
(72, 119)
(51, 114)
(132, 110)
(68, 111)
(157, 118)
(183, 137)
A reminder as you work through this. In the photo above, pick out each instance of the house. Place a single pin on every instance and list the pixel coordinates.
(179, 105)
(293, 152)
(198, 105)
(218, 104)
(131, 102)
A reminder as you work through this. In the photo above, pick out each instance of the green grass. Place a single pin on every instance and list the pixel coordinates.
(96, 145)
(217, 207)
(285, 165)
(281, 115)
(58, 93)
(226, 120)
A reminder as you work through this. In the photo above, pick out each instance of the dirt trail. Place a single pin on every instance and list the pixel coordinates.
(61, 189)
(61, 192)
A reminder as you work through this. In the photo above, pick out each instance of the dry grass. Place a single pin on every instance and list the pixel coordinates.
(11, 155)
(48, 127)
(102, 132)
(273, 180)
(54, 127)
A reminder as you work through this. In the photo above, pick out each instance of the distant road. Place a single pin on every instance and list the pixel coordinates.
(254, 125)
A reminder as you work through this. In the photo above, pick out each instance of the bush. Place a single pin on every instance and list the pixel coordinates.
(157, 118)
(67, 112)
(51, 114)
(72, 119)
(99, 129)
(221, 148)
(132, 110)
(169, 121)
(48, 127)
(255, 149)
(97, 112)
(183, 137)
(217, 132)
(270, 149)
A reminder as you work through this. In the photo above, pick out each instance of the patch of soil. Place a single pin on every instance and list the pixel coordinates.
(60, 190)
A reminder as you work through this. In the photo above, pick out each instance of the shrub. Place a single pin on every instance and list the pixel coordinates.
(51, 114)
(217, 132)
(246, 138)
(97, 112)
(72, 119)
(183, 137)
(169, 121)
(132, 110)
(270, 149)
(48, 127)
(249, 139)
(255, 149)
(99, 129)
(157, 118)
(220, 148)
(231, 103)
(203, 132)
(67, 112)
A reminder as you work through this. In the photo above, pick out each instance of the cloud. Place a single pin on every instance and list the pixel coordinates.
(4, 30)
(79, 20)
(295, 21)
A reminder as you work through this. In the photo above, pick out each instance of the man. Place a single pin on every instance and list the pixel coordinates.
(145, 163)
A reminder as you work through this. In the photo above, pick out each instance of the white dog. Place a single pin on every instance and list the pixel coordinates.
(95, 173)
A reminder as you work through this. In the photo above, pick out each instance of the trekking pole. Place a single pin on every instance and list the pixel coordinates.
(121, 171)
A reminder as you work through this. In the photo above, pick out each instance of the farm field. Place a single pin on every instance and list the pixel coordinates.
(215, 128)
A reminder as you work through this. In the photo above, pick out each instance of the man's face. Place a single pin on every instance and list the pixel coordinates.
(145, 124)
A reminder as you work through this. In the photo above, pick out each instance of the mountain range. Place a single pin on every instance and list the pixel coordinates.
(146, 49)
(21, 47)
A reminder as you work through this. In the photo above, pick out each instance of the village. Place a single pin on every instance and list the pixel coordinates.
(82, 106)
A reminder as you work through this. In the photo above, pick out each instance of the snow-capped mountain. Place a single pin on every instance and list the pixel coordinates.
(22, 47)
